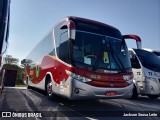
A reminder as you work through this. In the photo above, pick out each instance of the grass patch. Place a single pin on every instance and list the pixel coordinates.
(20, 85)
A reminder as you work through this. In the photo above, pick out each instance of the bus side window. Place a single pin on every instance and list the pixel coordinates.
(134, 61)
(63, 48)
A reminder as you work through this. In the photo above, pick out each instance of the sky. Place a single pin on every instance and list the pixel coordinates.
(30, 20)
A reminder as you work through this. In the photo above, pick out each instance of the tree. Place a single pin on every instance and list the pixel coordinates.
(11, 60)
(11, 63)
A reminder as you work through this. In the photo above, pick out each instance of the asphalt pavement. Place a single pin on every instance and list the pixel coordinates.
(21, 103)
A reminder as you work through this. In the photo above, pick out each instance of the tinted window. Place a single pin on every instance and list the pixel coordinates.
(100, 29)
(57, 34)
(120, 48)
(148, 59)
(64, 48)
(88, 28)
(88, 47)
(1, 7)
(134, 60)
(158, 54)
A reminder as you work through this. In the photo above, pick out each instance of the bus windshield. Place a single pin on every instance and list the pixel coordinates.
(148, 59)
(93, 49)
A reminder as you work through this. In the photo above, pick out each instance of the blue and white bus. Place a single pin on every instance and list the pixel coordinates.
(146, 70)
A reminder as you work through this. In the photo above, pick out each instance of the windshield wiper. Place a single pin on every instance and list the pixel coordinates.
(82, 65)
(117, 59)
(98, 58)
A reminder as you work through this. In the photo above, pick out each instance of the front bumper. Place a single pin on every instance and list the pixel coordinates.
(82, 90)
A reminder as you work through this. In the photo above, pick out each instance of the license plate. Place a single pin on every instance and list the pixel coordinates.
(111, 93)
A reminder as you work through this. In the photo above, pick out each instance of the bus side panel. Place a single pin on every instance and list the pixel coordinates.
(152, 86)
(138, 78)
(50, 65)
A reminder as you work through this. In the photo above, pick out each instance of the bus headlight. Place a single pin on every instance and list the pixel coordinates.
(130, 81)
(128, 78)
(80, 78)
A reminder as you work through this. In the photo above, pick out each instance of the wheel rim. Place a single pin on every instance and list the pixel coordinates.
(49, 89)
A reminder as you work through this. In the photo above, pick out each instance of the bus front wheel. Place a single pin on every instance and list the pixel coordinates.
(49, 88)
(135, 94)
(153, 96)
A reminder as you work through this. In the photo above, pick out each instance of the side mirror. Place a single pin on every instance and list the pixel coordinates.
(136, 38)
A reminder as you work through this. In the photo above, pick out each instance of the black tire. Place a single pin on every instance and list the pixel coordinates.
(2, 81)
(28, 87)
(48, 88)
(135, 94)
(2, 87)
(153, 96)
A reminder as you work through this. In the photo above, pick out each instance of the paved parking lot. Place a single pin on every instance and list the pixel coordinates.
(24, 100)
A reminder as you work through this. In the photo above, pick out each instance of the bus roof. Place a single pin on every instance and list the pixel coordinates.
(151, 50)
(88, 20)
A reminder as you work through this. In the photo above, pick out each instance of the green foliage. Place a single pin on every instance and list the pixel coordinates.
(11, 60)
(20, 76)
(11, 67)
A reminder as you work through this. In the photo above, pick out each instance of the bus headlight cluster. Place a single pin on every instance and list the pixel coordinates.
(128, 78)
(130, 81)
(80, 78)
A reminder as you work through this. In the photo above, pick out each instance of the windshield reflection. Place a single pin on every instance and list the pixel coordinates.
(148, 59)
(92, 50)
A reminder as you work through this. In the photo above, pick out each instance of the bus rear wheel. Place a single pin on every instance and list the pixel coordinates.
(153, 96)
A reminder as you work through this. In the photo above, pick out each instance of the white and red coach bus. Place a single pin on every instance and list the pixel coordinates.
(80, 59)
